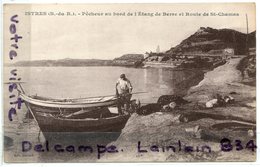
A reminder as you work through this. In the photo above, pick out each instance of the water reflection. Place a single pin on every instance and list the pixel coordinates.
(159, 81)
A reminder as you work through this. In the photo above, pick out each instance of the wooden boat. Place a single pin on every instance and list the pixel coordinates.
(55, 123)
(75, 115)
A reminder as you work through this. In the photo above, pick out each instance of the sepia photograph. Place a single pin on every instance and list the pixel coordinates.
(147, 82)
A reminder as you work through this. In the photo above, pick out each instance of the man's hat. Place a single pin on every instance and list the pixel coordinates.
(122, 76)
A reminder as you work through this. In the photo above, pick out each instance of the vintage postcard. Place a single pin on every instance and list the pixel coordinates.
(129, 82)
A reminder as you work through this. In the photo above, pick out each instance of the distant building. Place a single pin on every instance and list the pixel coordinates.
(158, 49)
(228, 52)
(160, 59)
(146, 55)
(252, 51)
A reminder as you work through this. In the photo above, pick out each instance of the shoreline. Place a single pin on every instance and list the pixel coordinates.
(196, 125)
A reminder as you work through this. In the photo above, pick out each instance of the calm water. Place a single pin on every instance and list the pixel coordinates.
(74, 82)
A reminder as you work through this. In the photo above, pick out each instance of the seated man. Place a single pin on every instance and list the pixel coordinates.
(123, 93)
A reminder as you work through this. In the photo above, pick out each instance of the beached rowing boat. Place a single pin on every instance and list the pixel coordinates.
(85, 115)
(56, 123)
(92, 114)
(79, 103)
(74, 115)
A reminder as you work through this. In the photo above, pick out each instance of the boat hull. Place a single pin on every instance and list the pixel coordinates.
(55, 110)
(50, 123)
(75, 115)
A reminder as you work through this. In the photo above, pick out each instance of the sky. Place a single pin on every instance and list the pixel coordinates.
(107, 37)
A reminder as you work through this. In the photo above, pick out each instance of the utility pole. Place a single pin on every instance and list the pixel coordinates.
(247, 50)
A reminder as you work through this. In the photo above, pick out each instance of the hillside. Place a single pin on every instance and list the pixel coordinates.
(206, 48)
(130, 60)
(212, 41)
(131, 57)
